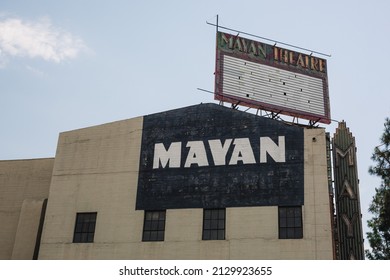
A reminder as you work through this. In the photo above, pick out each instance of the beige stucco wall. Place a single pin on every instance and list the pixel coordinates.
(96, 169)
(317, 217)
(27, 230)
(24, 184)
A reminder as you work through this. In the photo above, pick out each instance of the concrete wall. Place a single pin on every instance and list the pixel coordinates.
(96, 169)
(27, 234)
(317, 217)
(24, 184)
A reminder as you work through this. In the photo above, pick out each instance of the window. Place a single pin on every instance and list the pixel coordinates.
(84, 230)
(290, 222)
(213, 224)
(154, 226)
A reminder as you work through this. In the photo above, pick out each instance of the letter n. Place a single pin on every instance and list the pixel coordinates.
(167, 158)
(277, 152)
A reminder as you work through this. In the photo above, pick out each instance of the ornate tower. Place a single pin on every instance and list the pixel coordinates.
(348, 214)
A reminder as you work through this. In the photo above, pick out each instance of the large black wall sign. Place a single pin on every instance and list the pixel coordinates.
(210, 156)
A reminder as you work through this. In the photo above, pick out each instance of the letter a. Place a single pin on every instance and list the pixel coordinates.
(197, 154)
(242, 152)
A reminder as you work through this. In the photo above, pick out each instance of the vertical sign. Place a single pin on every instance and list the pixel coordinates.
(348, 213)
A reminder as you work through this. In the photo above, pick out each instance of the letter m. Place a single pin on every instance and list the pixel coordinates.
(225, 40)
(167, 158)
(343, 154)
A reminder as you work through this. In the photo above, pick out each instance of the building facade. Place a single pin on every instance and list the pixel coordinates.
(201, 182)
(24, 189)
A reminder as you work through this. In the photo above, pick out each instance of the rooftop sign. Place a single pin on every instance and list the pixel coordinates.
(267, 77)
(210, 156)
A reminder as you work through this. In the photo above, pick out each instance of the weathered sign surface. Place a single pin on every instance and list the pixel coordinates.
(210, 156)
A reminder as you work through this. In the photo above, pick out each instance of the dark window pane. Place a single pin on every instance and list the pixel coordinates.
(147, 225)
(298, 232)
(146, 236)
(298, 222)
(282, 233)
(161, 225)
(290, 222)
(153, 235)
(91, 227)
(79, 227)
(85, 227)
(290, 212)
(160, 235)
(84, 237)
(290, 225)
(221, 214)
(77, 238)
(155, 215)
(148, 215)
(89, 237)
(221, 234)
(154, 226)
(214, 224)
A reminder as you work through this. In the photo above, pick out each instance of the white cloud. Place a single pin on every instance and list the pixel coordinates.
(37, 39)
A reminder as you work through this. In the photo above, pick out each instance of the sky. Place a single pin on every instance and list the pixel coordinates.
(71, 64)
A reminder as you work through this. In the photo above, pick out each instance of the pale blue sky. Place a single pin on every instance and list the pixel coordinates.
(71, 64)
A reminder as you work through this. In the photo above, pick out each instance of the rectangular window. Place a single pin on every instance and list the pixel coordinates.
(290, 222)
(214, 224)
(154, 226)
(84, 230)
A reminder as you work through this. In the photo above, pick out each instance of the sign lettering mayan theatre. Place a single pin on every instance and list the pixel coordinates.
(267, 77)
